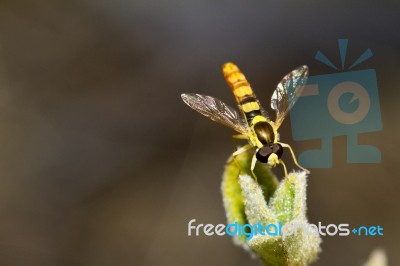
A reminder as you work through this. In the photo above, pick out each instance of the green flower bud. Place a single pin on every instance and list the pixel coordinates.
(270, 202)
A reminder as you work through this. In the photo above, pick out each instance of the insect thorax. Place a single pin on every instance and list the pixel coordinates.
(265, 133)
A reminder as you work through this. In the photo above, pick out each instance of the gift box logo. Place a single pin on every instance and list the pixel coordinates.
(338, 104)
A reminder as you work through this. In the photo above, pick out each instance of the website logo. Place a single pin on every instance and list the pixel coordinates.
(339, 104)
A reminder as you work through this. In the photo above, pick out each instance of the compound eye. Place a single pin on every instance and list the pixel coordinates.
(263, 153)
(277, 149)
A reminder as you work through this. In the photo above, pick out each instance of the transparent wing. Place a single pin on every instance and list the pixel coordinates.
(287, 92)
(216, 111)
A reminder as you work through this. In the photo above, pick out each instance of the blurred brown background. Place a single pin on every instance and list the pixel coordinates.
(102, 164)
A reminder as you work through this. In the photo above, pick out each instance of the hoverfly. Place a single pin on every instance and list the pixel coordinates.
(253, 122)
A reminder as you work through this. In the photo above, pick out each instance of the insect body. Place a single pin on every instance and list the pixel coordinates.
(253, 122)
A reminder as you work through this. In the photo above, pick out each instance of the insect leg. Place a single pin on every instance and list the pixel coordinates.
(237, 165)
(253, 160)
(242, 149)
(237, 137)
(294, 157)
(284, 167)
(253, 165)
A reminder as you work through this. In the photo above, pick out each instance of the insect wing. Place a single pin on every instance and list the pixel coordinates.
(216, 110)
(287, 92)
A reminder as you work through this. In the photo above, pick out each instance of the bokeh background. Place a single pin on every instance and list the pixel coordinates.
(101, 162)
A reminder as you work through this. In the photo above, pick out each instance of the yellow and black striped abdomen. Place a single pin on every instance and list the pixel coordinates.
(241, 89)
